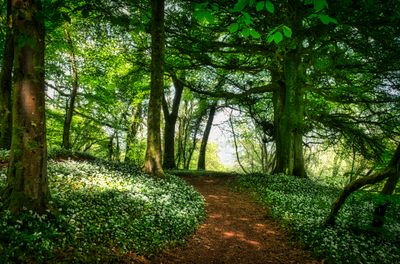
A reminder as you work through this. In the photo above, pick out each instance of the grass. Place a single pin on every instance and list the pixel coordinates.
(100, 212)
(301, 205)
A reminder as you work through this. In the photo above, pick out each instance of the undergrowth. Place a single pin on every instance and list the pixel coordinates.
(98, 212)
(301, 205)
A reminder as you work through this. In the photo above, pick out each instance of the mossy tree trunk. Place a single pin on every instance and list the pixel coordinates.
(27, 184)
(201, 164)
(152, 164)
(6, 84)
(288, 101)
(170, 122)
(70, 106)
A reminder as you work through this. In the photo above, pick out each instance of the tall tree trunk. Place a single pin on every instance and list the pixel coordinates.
(118, 149)
(201, 164)
(288, 100)
(170, 122)
(110, 147)
(27, 184)
(152, 163)
(298, 130)
(283, 137)
(192, 147)
(71, 101)
(236, 145)
(6, 85)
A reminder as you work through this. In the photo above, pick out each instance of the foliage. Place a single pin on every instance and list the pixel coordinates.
(58, 153)
(4, 154)
(301, 205)
(101, 207)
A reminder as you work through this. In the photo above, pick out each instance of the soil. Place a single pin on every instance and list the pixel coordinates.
(236, 230)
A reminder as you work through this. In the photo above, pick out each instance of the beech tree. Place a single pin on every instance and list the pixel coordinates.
(201, 164)
(153, 164)
(27, 184)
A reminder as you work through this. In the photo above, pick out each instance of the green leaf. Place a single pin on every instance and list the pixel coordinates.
(254, 33)
(234, 27)
(320, 4)
(287, 31)
(246, 32)
(260, 6)
(327, 19)
(247, 18)
(204, 15)
(240, 5)
(278, 37)
(270, 6)
(270, 38)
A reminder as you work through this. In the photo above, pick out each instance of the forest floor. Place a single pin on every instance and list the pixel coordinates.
(236, 230)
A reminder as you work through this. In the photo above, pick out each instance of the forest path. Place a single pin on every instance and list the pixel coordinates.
(236, 230)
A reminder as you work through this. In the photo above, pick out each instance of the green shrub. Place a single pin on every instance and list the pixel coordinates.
(301, 205)
(102, 211)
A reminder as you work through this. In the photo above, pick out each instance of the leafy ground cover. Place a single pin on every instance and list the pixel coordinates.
(99, 212)
(301, 205)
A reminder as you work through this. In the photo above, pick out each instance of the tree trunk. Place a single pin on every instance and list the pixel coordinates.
(390, 186)
(391, 172)
(288, 100)
(170, 122)
(71, 102)
(6, 85)
(152, 164)
(110, 147)
(283, 137)
(27, 184)
(298, 130)
(201, 164)
(235, 144)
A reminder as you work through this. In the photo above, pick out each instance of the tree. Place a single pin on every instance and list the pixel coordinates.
(6, 84)
(201, 164)
(170, 122)
(391, 173)
(152, 164)
(70, 106)
(27, 185)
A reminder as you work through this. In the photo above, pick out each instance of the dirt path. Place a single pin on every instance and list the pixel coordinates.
(236, 231)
